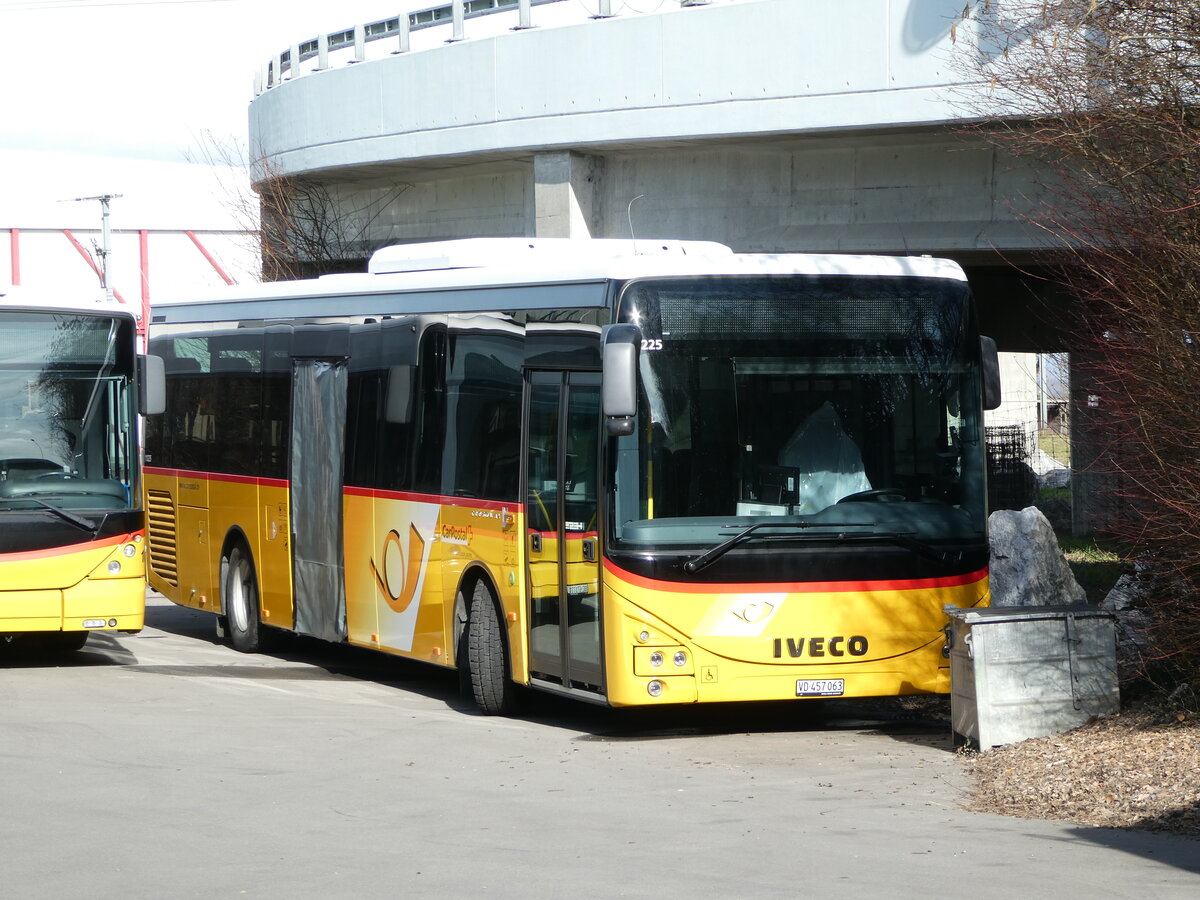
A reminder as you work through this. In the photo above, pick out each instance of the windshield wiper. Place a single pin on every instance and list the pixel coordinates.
(696, 563)
(75, 520)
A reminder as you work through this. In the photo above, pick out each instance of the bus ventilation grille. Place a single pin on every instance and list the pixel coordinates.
(160, 511)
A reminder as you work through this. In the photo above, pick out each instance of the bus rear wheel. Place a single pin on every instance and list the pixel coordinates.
(487, 658)
(239, 592)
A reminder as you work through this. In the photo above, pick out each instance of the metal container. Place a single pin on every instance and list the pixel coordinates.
(1023, 672)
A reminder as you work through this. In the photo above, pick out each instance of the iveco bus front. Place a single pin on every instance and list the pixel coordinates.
(800, 489)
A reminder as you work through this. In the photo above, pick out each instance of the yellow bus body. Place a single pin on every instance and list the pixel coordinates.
(190, 513)
(72, 589)
(729, 637)
(406, 556)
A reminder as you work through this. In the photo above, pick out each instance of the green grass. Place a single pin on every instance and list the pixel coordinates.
(1096, 568)
(1057, 445)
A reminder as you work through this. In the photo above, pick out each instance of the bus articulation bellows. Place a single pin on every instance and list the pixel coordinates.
(629, 472)
(71, 518)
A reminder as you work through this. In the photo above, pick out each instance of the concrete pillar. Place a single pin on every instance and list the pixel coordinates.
(565, 193)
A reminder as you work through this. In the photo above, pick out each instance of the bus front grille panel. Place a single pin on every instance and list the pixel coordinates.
(160, 525)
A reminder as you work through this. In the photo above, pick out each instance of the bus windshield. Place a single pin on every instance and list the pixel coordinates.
(67, 416)
(803, 408)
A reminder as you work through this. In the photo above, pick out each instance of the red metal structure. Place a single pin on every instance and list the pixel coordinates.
(194, 236)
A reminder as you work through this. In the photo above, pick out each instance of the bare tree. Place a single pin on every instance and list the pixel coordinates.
(301, 226)
(309, 227)
(1105, 96)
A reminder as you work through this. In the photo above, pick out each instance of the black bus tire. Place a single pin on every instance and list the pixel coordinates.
(487, 658)
(239, 593)
(462, 606)
(63, 641)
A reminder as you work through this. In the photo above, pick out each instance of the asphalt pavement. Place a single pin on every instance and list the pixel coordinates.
(167, 765)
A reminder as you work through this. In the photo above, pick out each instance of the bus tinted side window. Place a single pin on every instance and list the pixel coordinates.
(237, 409)
(483, 399)
(188, 425)
(364, 405)
(428, 431)
(277, 402)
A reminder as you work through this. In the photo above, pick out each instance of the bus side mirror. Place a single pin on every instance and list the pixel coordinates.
(152, 385)
(398, 404)
(620, 364)
(990, 369)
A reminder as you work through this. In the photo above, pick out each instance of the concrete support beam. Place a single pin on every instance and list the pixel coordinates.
(565, 194)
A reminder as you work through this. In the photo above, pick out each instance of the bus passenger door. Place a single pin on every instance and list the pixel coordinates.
(562, 543)
(315, 469)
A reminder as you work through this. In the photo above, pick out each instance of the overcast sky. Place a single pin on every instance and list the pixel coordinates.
(116, 96)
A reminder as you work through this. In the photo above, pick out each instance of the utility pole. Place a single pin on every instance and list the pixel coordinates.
(105, 238)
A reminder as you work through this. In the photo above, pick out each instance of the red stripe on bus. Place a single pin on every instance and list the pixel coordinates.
(217, 476)
(65, 549)
(352, 491)
(798, 587)
(380, 494)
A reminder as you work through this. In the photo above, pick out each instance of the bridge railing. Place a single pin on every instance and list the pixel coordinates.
(401, 31)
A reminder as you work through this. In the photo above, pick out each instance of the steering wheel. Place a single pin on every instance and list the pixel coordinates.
(880, 494)
(63, 474)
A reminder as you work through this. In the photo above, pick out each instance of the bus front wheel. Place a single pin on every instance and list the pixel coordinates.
(491, 686)
(240, 595)
(64, 641)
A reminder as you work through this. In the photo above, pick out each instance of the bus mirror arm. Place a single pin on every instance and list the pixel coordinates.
(620, 362)
(152, 385)
(990, 368)
(398, 408)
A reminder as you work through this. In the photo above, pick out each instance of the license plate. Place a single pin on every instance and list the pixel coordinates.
(820, 687)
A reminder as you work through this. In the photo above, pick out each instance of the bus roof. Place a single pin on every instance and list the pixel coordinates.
(577, 270)
(57, 301)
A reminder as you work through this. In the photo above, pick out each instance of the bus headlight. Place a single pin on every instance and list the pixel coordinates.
(655, 688)
(656, 662)
(130, 551)
(114, 567)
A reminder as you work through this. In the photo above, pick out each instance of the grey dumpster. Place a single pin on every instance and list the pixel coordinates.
(1029, 671)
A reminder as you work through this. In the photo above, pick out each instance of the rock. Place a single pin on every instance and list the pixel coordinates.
(1027, 566)
(1131, 591)
(1055, 478)
(1128, 591)
(1050, 472)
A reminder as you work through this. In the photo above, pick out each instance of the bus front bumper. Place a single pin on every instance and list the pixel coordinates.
(109, 604)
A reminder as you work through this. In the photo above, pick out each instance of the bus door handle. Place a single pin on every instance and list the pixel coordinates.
(535, 542)
(589, 549)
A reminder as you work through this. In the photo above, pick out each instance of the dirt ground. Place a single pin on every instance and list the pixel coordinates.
(1139, 769)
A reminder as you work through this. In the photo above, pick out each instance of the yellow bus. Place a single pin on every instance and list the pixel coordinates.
(627, 472)
(71, 518)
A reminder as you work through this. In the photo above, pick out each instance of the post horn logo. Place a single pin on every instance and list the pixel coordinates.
(396, 571)
(753, 613)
